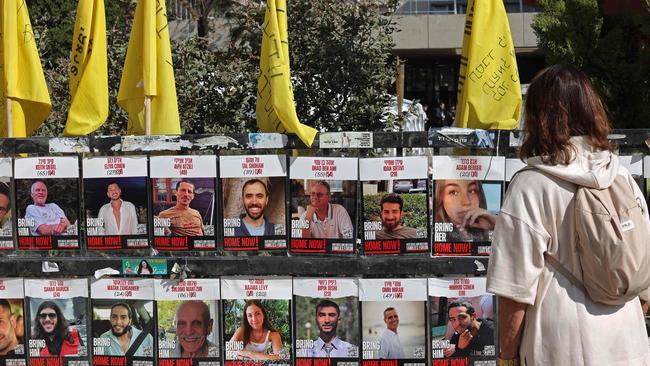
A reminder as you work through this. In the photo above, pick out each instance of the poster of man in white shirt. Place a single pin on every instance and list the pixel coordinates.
(115, 190)
(393, 320)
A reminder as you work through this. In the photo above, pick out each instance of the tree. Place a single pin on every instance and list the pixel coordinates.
(611, 49)
(339, 52)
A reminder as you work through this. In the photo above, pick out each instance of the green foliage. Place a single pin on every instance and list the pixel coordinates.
(611, 49)
(415, 209)
(340, 61)
(339, 52)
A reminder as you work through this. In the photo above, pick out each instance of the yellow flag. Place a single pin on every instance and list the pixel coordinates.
(21, 76)
(489, 93)
(148, 70)
(88, 70)
(275, 108)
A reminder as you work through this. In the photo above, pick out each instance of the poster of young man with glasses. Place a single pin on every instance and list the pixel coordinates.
(462, 320)
(57, 323)
(323, 205)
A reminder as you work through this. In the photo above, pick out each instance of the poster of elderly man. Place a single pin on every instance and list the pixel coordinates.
(47, 202)
(188, 322)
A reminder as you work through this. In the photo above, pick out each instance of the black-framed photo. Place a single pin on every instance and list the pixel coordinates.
(116, 202)
(395, 205)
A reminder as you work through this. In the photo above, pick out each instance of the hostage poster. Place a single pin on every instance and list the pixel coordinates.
(395, 205)
(6, 205)
(188, 322)
(467, 198)
(257, 320)
(183, 199)
(254, 191)
(323, 205)
(393, 321)
(12, 322)
(462, 321)
(124, 322)
(115, 197)
(57, 326)
(47, 202)
(327, 322)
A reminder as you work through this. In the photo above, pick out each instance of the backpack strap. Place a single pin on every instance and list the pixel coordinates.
(553, 262)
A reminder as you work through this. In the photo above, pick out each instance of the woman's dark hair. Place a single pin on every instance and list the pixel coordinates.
(562, 103)
(247, 327)
(61, 331)
(146, 264)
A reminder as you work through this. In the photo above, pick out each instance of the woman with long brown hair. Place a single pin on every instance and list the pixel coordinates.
(462, 203)
(261, 340)
(544, 319)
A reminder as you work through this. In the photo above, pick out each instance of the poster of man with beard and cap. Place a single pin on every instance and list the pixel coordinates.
(462, 321)
(327, 321)
(395, 205)
(188, 322)
(57, 322)
(123, 322)
(47, 202)
(393, 321)
(6, 205)
(254, 191)
(323, 205)
(12, 331)
(115, 202)
(467, 198)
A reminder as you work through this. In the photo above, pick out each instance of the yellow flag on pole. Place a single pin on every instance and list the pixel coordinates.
(275, 108)
(489, 93)
(88, 70)
(21, 75)
(148, 71)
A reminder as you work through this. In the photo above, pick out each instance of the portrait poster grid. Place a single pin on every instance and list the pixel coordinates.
(116, 202)
(183, 195)
(327, 321)
(323, 205)
(47, 202)
(395, 205)
(467, 198)
(460, 307)
(253, 188)
(7, 205)
(260, 307)
(57, 322)
(12, 317)
(123, 313)
(188, 321)
(393, 321)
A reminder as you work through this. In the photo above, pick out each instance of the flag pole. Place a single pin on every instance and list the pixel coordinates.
(147, 115)
(10, 125)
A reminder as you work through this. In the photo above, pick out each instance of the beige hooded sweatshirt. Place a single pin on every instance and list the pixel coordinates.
(562, 325)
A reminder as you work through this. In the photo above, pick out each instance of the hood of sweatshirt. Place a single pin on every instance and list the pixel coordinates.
(590, 168)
